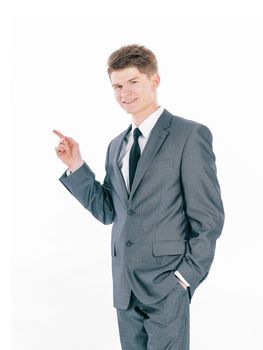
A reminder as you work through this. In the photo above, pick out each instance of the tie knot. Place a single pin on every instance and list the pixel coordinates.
(136, 133)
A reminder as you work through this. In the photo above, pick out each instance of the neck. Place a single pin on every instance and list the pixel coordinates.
(141, 116)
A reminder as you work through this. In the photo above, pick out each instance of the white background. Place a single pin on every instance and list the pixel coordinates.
(210, 62)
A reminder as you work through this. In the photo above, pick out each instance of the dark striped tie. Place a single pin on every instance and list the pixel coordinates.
(134, 155)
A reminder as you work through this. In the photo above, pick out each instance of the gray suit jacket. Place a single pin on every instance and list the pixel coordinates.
(172, 217)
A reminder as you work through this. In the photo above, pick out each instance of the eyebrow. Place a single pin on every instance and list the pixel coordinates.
(128, 81)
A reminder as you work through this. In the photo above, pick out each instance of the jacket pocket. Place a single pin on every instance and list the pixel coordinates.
(169, 247)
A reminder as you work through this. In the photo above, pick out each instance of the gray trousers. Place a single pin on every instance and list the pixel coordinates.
(160, 326)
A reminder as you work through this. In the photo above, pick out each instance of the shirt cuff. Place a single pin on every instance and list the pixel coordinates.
(177, 274)
(68, 172)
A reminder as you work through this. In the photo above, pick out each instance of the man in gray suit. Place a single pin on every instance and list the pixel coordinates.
(162, 195)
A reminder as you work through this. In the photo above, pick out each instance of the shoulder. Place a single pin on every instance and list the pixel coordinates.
(121, 135)
(187, 127)
(184, 123)
(115, 143)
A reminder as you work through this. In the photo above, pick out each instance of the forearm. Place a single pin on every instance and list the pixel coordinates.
(199, 255)
(90, 193)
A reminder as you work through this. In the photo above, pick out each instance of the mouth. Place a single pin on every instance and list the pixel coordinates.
(130, 101)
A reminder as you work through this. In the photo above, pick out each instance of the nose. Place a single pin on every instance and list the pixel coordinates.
(125, 91)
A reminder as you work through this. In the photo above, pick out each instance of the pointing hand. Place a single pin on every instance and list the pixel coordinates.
(68, 151)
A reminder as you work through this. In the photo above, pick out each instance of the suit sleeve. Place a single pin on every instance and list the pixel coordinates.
(203, 206)
(93, 195)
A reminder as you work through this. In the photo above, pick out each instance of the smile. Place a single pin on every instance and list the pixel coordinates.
(129, 101)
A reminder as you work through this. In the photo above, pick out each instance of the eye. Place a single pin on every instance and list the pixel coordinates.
(115, 87)
(134, 82)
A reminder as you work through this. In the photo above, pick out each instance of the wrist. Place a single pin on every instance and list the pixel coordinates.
(76, 165)
(182, 284)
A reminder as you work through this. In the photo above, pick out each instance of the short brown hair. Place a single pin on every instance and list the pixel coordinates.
(133, 56)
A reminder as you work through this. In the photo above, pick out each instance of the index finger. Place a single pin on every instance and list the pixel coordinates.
(58, 134)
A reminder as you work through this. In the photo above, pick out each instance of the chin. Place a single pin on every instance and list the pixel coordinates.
(130, 110)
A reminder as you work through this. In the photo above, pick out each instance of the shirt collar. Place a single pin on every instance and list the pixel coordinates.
(148, 123)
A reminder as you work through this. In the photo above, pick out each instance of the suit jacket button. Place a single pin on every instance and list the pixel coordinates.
(129, 243)
(130, 211)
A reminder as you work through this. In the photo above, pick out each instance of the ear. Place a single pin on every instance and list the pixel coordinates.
(155, 80)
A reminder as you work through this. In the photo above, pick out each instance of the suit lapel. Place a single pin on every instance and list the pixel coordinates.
(118, 180)
(159, 132)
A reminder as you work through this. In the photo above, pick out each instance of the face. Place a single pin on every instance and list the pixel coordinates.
(135, 92)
